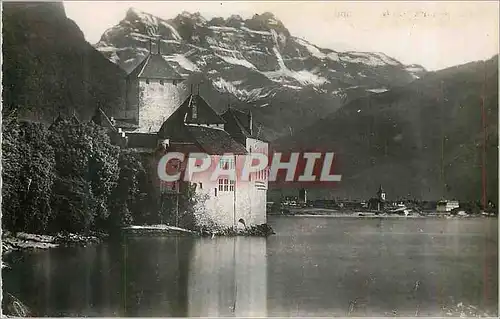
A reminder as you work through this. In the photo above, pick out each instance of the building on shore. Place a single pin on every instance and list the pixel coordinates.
(445, 206)
(155, 121)
(378, 203)
(303, 196)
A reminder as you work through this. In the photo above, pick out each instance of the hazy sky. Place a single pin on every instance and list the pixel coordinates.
(434, 34)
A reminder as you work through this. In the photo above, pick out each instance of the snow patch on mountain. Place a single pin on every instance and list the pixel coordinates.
(255, 31)
(379, 90)
(218, 28)
(387, 59)
(334, 56)
(175, 34)
(183, 62)
(311, 48)
(370, 59)
(140, 37)
(415, 69)
(153, 23)
(236, 61)
(292, 86)
(107, 49)
(241, 94)
(304, 77)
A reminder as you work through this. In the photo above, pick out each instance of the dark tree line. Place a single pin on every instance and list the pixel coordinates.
(69, 177)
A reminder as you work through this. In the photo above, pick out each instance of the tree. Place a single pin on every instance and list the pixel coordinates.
(87, 172)
(126, 192)
(28, 176)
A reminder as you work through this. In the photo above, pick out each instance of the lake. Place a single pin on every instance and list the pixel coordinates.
(313, 266)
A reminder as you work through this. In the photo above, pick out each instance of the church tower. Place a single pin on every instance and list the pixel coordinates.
(381, 194)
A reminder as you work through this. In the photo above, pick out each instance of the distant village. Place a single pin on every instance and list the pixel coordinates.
(378, 205)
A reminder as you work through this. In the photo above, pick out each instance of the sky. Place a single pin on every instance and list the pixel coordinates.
(435, 35)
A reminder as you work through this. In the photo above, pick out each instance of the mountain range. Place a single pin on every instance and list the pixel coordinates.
(255, 64)
(417, 133)
(423, 140)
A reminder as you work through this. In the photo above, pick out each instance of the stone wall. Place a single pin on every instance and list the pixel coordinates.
(157, 102)
(225, 208)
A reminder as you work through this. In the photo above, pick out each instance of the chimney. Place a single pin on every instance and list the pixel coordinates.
(250, 122)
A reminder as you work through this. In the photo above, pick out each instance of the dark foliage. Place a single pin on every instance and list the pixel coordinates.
(28, 176)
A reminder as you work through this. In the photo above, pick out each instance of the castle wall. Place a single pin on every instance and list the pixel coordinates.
(252, 195)
(158, 99)
(246, 200)
(130, 110)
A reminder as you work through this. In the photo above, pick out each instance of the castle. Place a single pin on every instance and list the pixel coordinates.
(155, 117)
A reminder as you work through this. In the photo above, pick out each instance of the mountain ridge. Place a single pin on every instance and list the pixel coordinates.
(49, 68)
(428, 134)
(255, 64)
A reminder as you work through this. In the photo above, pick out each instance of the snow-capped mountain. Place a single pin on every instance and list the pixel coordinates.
(256, 63)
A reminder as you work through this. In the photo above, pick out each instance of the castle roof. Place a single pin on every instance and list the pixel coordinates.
(154, 66)
(198, 111)
(183, 126)
(215, 141)
(56, 121)
(237, 123)
(204, 114)
(102, 119)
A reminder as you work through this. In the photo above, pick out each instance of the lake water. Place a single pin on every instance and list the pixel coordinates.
(313, 266)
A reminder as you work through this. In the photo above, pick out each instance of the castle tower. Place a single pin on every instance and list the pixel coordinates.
(153, 93)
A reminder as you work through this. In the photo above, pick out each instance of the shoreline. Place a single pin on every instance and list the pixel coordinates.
(372, 215)
(27, 241)
(23, 241)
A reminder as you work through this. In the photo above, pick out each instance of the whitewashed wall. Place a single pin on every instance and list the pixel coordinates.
(157, 102)
(251, 198)
(247, 201)
(219, 206)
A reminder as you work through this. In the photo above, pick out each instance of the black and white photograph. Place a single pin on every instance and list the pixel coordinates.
(250, 159)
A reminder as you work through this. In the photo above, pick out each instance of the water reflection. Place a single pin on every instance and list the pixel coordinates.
(228, 277)
(311, 267)
(149, 277)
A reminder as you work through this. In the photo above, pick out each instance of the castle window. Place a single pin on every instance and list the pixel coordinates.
(226, 185)
(147, 81)
(226, 163)
(195, 111)
(161, 82)
(201, 186)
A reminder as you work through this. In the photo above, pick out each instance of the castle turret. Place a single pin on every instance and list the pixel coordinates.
(152, 92)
